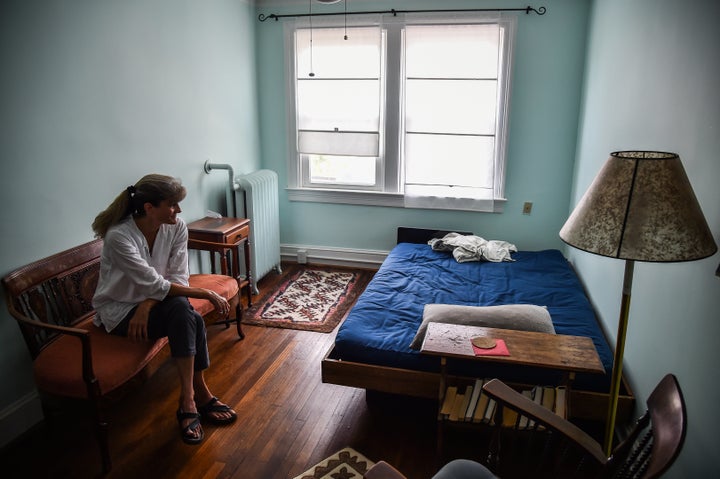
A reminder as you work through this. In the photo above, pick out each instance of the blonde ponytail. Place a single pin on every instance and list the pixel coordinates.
(151, 189)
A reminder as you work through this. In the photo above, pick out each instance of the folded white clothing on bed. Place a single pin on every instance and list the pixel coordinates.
(473, 248)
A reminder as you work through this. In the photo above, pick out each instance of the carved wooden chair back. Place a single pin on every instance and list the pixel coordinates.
(558, 448)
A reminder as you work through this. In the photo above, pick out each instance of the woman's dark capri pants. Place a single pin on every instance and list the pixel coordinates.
(175, 318)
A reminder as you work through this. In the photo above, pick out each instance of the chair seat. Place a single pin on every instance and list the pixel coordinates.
(226, 286)
(58, 368)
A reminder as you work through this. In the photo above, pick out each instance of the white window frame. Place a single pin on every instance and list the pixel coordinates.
(390, 170)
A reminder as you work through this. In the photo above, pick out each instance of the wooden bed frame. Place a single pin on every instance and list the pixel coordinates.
(585, 405)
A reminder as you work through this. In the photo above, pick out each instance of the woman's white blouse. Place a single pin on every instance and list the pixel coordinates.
(131, 273)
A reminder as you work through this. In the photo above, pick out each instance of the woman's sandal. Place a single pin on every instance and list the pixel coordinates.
(207, 412)
(186, 433)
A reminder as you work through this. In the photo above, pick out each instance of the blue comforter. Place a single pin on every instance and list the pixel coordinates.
(381, 325)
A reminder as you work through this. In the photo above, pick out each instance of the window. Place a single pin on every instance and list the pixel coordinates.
(399, 111)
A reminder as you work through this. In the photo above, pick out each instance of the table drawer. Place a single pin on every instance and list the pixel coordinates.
(235, 236)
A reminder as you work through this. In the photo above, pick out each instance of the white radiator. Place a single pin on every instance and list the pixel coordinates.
(258, 193)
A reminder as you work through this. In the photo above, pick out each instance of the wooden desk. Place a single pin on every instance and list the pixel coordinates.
(549, 351)
(571, 354)
(223, 236)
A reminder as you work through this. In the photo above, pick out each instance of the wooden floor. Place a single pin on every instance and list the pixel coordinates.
(287, 420)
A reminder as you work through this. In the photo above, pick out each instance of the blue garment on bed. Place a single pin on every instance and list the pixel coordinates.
(380, 327)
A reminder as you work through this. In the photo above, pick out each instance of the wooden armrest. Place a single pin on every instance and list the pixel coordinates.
(82, 334)
(508, 397)
(52, 327)
(383, 470)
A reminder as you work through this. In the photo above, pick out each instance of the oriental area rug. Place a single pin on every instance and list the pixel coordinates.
(309, 297)
(345, 464)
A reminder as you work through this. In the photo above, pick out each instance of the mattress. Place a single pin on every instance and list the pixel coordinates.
(382, 324)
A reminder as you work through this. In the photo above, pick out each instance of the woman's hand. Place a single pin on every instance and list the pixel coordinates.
(138, 324)
(220, 303)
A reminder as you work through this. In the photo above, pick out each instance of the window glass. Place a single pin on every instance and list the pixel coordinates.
(450, 160)
(331, 56)
(457, 51)
(451, 106)
(342, 170)
(342, 104)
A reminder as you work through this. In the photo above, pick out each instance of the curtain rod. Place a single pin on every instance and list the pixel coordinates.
(540, 11)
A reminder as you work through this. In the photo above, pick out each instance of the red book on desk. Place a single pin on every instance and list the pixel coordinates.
(500, 349)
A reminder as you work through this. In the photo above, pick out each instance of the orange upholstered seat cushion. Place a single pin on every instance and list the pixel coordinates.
(115, 359)
(225, 286)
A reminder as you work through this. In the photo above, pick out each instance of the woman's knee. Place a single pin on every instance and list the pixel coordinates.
(177, 305)
(175, 316)
(180, 308)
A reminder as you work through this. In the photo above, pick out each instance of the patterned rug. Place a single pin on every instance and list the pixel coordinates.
(344, 464)
(312, 298)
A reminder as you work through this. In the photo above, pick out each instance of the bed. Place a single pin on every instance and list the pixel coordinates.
(372, 346)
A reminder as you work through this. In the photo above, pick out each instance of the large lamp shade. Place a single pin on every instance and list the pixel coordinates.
(641, 206)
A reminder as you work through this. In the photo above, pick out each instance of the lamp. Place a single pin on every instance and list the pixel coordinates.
(640, 207)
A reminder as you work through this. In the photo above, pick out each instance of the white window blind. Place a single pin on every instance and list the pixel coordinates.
(451, 114)
(338, 107)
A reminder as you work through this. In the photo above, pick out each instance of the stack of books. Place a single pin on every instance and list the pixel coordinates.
(471, 404)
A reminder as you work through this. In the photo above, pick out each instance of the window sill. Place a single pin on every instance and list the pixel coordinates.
(396, 200)
(347, 197)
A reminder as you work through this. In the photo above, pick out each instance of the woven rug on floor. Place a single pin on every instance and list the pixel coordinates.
(309, 297)
(346, 464)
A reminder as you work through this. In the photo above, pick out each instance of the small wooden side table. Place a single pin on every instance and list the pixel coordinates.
(223, 236)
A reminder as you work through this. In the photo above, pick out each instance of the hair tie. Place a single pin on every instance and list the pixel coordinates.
(131, 190)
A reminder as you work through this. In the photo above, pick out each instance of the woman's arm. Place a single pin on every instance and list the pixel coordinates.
(220, 303)
(177, 268)
(137, 325)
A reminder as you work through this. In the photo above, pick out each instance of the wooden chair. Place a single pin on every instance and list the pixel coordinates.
(567, 451)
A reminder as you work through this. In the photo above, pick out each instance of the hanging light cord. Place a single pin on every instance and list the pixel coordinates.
(310, 14)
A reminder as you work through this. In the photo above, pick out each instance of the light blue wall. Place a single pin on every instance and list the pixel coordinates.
(652, 83)
(96, 94)
(545, 99)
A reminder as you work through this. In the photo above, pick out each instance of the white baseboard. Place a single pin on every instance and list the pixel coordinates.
(334, 256)
(19, 417)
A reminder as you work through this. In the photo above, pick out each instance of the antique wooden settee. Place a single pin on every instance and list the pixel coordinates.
(74, 359)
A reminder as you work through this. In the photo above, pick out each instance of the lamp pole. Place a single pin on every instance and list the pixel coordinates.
(619, 351)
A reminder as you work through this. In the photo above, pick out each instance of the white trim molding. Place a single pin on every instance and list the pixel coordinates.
(19, 417)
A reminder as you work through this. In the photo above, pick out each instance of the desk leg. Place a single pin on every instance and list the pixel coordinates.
(440, 420)
(224, 265)
(248, 272)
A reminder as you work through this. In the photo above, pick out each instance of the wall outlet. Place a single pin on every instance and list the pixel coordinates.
(302, 256)
(527, 207)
